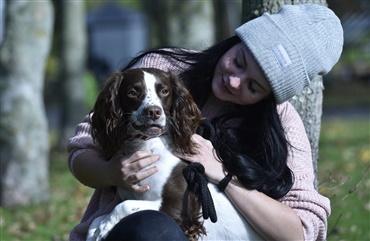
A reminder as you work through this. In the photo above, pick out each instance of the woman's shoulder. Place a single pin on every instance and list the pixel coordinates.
(288, 113)
(285, 107)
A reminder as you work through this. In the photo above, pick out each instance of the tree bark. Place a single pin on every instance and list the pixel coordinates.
(72, 54)
(24, 144)
(309, 102)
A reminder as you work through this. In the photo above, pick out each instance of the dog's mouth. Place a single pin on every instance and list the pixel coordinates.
(150, 131)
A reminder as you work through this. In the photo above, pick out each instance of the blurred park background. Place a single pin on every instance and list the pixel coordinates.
(84, 41)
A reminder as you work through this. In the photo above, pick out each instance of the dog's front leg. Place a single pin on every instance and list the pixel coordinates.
(120, 211)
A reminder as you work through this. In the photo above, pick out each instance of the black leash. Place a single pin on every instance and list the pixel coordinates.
(197, 183)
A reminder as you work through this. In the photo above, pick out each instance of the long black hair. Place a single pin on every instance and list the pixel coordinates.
(256, 150)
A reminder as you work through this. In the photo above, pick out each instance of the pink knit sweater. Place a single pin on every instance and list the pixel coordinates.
(312, 208)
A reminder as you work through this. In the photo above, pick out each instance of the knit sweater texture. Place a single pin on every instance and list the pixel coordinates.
(312, 208)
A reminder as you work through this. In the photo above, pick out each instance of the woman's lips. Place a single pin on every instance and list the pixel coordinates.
(224, 87)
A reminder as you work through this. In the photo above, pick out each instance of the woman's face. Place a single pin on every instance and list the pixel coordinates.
(238, 78)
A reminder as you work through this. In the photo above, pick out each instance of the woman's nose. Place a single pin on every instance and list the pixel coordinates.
(234, 82)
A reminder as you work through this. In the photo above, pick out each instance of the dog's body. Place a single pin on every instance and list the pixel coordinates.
(153, 111)
(135, 201)
(230, 225)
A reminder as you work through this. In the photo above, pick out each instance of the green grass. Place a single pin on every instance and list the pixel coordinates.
(344, 177)
(51, 221)
(346, 95)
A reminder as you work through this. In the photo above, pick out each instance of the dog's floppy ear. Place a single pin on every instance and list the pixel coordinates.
(186, 116)
(106, 115)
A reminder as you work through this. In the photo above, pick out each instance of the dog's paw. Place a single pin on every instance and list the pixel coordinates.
(122, 210)
(132, 206)
(107, 224)
(93, 229)
(119, 212)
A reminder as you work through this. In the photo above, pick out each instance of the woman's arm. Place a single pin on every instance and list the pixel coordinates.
(312, 208)
(272, 219)
(94, 171)
(121, 171)
(87, 166)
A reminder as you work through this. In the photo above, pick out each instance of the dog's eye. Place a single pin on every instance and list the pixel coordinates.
(164, 92)
(132, 94)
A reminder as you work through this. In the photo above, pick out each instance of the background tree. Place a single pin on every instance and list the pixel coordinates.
(309, 102)
(71, 39)
(192, 27)
(227, 18)
(24, 143)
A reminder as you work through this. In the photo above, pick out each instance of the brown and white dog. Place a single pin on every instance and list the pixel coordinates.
(148, 109)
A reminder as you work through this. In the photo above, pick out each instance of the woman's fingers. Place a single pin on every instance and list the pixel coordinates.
(137, 177)
(141, 175)
(141, 160)
(138, 166)
(139, 188)
(128, 171)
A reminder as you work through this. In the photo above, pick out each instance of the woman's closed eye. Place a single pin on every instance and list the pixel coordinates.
(237, 63)
(239, 60)
(250, 87)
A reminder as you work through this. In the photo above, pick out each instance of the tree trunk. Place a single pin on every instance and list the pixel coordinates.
(309, 102)
(24, 144)
(192, 27)
(221, 19)
(72, 54)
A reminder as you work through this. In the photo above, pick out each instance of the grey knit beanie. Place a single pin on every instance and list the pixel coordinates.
(294, 45)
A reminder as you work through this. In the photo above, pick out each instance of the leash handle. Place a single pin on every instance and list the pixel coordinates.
(194, 176)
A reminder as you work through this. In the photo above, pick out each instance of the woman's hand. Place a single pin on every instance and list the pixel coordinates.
(121, 171)
(206, 155)
(127, 171)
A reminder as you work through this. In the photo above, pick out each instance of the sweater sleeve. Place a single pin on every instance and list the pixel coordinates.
(312, 208)
(82, 141)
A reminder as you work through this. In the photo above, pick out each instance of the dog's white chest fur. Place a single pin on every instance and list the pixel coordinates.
(166, 163)
(134, 202)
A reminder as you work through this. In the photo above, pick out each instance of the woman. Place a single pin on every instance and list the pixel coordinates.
(242, 85)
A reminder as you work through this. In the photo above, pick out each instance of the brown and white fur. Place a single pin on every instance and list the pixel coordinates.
(132, 113)
(148, 109)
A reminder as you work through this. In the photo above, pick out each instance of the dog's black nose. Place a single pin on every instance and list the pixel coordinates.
(153, 112)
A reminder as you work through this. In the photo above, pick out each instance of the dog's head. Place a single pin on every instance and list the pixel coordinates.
(144, 103)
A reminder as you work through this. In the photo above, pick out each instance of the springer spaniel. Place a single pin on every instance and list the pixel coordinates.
(148, 109)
